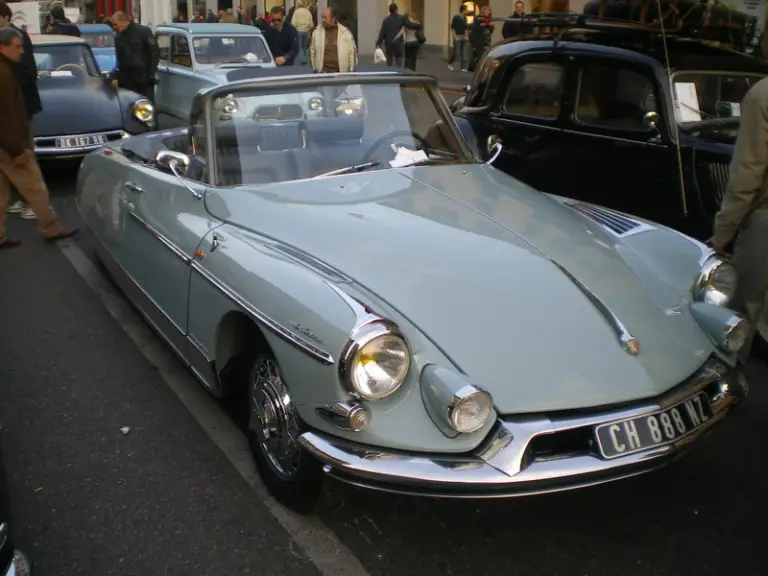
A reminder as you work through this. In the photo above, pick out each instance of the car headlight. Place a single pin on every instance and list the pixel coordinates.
(470, 409)
(229, 106)
(315, 103)
(716, 282)
(375, 361)
(143, 111)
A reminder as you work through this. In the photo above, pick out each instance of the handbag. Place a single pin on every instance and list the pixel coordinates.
(420, 36)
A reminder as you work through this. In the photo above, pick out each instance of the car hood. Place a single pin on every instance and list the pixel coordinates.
(73, 106)
(467, 255)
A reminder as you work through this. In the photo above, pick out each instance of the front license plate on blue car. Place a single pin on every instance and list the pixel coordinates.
(652, 430)
(81, 141)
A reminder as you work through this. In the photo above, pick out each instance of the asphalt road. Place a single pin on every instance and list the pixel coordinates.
(177, 493)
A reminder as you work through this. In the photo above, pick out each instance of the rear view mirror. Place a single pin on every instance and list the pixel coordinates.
(171, 161)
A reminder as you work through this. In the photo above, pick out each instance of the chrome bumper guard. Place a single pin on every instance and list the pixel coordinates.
(45, 146)
(506, 464)
(19, 565)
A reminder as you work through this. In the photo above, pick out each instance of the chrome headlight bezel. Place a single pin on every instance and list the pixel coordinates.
(143, 111)
(464, 398)
(315, 103)
(706, 288)
(359, 340)
(735, 335)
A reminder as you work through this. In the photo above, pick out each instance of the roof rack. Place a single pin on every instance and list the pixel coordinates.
(698, 20)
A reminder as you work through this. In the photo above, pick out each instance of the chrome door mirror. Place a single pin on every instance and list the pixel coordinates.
(178, 164)
(651, 120)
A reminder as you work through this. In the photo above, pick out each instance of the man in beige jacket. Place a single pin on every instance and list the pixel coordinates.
(743, 215)
(333, 47)
(303, 21)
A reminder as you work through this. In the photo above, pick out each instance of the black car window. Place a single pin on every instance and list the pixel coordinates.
(535, 89)
(180, 51)
(164, 46)
(614, 97)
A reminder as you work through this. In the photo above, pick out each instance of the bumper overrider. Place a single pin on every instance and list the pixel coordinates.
(533, 454)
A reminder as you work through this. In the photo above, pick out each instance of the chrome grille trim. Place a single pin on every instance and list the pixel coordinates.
(718, 174)
(615, 222)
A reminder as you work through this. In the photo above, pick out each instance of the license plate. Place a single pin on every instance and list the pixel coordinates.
(81, 141)
(666, 426)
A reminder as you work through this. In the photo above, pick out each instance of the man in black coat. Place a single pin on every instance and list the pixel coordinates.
(137, 57)
(282, 38)
(61, 24)
(392, 35)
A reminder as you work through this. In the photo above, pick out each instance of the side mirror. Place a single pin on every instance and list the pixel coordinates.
(171, 161)
(651, 120)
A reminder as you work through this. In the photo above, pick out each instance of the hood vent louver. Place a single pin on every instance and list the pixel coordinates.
(621, 225)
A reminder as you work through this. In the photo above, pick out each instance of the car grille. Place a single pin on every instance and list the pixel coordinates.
(615, 222)
(718, 174)
(50, 141)
(287, 112)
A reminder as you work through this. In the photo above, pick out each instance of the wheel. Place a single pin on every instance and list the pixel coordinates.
(292, 476)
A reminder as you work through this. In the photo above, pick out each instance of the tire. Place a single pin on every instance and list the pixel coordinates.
(290, 473)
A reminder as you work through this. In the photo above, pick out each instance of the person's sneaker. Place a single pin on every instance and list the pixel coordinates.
(464, 70)
(450, 67)
(27, 214)
(16, 208)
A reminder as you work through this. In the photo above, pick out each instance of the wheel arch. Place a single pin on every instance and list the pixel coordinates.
(236, 334)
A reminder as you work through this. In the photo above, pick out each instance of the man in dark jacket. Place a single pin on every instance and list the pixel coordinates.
(61, 24)
(392, 35)
(281, 37)
(137, 57)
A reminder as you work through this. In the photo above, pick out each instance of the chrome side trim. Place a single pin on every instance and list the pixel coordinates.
(629, 343)
(364, 315)
(163, 240)
(504, 467)
(258, 316)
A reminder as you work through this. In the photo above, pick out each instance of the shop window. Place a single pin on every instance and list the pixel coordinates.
(535, 90)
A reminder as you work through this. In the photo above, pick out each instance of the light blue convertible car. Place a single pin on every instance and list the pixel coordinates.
(396, 313)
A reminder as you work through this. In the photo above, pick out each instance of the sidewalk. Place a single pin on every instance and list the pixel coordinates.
(433, 62)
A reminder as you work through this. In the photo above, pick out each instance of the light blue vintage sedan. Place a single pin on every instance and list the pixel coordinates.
(194, 57)
(398, 314)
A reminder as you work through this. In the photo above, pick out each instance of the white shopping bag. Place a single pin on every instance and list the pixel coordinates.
(379, 56)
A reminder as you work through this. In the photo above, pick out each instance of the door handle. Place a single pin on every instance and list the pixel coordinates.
(133, 187)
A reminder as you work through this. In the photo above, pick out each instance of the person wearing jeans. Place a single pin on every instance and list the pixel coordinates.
(303, 22)
(459, 28)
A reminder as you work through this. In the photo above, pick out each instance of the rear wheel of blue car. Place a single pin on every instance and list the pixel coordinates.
(292, 476)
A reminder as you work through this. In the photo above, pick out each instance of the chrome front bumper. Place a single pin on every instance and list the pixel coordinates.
(509, 463)
(19, 566)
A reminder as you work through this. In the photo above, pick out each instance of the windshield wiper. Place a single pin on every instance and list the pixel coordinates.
(348, 170)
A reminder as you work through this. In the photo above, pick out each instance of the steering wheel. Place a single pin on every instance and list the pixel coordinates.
(391, 136)
(72, 65)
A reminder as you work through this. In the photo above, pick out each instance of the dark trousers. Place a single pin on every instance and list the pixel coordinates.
(395, 54)
(138, 86)
(411, 54)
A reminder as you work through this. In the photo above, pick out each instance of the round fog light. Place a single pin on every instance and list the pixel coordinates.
(736, 334)
(470, 409)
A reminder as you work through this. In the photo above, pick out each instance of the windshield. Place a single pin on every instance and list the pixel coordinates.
(264, 138)
(107, 62)
(231, 50)
(708, 95)
(65, 60)
(100, 40)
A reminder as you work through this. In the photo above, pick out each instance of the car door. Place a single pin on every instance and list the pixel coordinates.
(527, 119)
(166, 221)
(610, 153)
(180, 83)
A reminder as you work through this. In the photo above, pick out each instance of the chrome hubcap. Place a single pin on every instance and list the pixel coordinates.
(273, 419)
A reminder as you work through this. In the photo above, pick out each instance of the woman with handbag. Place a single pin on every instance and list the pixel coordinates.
(414, 38)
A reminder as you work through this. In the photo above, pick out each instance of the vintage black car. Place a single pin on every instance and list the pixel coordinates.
(81, 110)
(12, 561)
(616, 114)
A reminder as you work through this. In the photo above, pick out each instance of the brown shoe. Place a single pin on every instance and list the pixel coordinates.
(62, 234)
(10, 243)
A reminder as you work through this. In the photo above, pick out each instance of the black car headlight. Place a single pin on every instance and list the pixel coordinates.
(143, 111)
(716, 282)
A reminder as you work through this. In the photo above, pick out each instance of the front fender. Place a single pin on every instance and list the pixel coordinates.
(126, 99)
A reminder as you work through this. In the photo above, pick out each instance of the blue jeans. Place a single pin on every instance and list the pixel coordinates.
(303, 47)
(460, 51)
